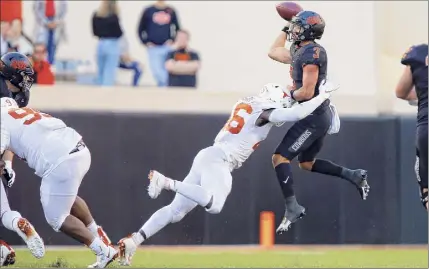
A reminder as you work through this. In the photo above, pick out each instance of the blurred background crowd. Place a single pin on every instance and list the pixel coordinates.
(146, 44)
(171, 61)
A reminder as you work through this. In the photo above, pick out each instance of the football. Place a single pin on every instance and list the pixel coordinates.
(287, 10)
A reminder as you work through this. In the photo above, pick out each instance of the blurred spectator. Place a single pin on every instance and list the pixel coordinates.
(50, 27)
(182, 63)
(4, 30)
(126, 62)
(157, 30)
(10, 10)
(106, 26)
(42, 69)
(16, 39)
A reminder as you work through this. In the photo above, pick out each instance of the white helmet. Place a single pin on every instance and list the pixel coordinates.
(8, 102)
(276, 94)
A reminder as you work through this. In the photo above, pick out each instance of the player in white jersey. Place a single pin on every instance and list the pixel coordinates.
(59, 156)
(209, 181)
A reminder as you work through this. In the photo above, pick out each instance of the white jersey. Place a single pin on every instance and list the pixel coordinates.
(40, 139)
(240, 135)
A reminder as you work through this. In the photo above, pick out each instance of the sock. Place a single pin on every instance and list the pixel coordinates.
(194, 192)
(98, 247)
(10, 219)
(139, 237)
(329, 168)
(93, 227)
(154, 224)
(284, 176)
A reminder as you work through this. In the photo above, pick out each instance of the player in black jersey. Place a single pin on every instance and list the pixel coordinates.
(308, 68)
(413, 85)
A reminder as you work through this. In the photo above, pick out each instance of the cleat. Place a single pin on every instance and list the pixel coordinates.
(106, 240)
(34, 242)
(107, 259)
(127, 249)
(157, 183)
(7, 254)
(289, 218)
(361, 183)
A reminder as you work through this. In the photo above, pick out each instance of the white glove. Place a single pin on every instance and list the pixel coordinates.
(9, 174)
(413, 102)
(327, 86)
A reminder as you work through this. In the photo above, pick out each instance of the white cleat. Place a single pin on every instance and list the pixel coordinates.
(106, 240)
(157, 183)
(34, 242)
(7, 254)
(127, 249)
(105, 260)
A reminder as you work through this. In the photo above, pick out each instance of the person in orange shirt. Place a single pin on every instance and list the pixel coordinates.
(42, 69)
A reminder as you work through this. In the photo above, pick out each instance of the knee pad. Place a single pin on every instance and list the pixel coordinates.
(56, 221)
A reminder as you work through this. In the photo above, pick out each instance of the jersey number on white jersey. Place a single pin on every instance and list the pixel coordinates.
(20, 113)
(236, 122)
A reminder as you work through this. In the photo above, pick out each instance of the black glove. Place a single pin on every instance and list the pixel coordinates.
(286, 29)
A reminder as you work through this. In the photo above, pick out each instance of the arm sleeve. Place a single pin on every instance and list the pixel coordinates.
(141, 31)
(195, 56)
(175, 20)
(297, 112)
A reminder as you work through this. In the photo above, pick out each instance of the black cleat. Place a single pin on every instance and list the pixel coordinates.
(290, 217)
(360, 180)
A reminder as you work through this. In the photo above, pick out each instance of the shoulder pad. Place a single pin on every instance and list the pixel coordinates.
(8, 102)
(313, 54)
(259, 104)
(415, 55)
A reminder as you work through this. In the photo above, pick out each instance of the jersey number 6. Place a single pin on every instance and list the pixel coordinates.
(237, 119)
(20, 113)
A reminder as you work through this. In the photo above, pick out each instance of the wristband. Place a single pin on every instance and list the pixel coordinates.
(8, 164)
(291, 94)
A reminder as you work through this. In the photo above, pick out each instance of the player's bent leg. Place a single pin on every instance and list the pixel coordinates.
(58, 194)
(216, 179)
(12, 220)
(81, 211)
(421, 166)
(7, 254)
(174, 212)
(307, 161)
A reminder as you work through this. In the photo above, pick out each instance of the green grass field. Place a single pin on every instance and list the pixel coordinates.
(243, 257)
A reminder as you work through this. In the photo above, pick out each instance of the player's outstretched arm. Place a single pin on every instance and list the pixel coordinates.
(278, 52)
(296, 112)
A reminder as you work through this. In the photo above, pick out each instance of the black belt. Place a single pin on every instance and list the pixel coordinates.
(79, 146)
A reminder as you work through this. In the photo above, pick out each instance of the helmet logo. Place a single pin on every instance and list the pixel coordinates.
(17, 64)
(314, 20)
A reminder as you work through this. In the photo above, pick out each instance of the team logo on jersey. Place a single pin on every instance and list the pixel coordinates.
(19, 65)
(161, 18)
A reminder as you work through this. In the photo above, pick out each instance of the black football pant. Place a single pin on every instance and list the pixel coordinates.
(305, 138)
(422, 155)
